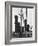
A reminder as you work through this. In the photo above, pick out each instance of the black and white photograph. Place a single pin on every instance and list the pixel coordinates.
(21, 22)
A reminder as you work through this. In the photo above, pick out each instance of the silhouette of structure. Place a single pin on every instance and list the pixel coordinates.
(25, 23)
(17, 25)
(18, 33)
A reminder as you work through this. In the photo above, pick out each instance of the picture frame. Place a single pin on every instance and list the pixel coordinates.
(8, 20)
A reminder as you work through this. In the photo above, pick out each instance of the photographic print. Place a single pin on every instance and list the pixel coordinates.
(21, 22)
